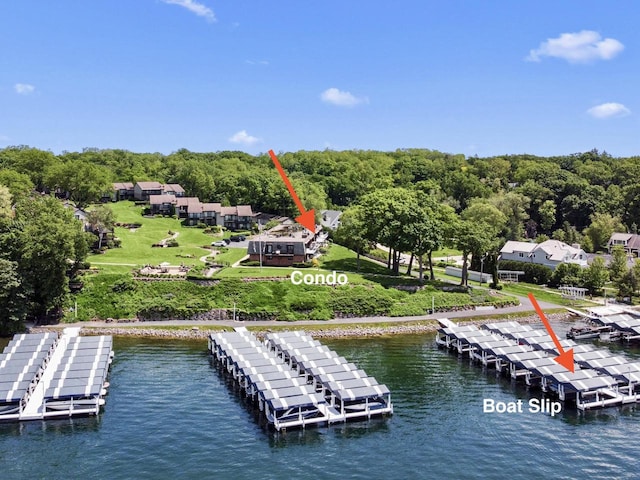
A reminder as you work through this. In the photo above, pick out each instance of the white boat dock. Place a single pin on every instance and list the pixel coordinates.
(45, 375)
(281, 382)
(600, 379)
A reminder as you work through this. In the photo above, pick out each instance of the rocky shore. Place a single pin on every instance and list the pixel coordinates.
(331, 331)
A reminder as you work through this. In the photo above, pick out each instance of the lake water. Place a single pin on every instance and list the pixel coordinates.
(170, 414)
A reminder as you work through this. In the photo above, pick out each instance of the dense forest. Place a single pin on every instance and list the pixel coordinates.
(553, 194)
(413, 200)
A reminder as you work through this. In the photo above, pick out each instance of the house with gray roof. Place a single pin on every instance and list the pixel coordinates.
(330, 219)
(629, 241)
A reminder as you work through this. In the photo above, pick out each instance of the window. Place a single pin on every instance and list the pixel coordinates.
(268, 248)
(521, 254)
(289, 249)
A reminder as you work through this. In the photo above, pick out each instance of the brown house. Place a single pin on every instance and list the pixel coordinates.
(143, 190)
(284, 246)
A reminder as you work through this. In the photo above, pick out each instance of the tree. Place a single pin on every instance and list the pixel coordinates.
(618, 264)
(45, 240)
(566, 274)
(391, 215)
(352, 232)
(13, 307)
(84, 182)
(628, 283)
(547, 213)
(5, 203)
(602, 227)
(595, 276)
(101, 220)
(514, 207)
(494, 223)
(19, 184)
(472, 237)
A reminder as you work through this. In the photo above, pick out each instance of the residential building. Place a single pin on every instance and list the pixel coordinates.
(189, 208)
(285, 245)
(123, 191)
(174, 189)
(629, 241)
(550, 253)
(237, 218)
(162, 204)
(330, 219)
(143, 190)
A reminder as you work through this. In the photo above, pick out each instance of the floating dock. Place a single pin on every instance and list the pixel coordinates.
(600, 379)
(296, 381)
(44, 375)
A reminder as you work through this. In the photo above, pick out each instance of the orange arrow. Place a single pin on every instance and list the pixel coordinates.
(307, 218)
(565, 358)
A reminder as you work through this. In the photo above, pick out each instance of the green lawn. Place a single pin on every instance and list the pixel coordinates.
(230, 255)
(342, 259)
(544, 294)
(136, 249)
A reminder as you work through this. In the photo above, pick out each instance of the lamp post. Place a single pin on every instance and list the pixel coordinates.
(482, 268)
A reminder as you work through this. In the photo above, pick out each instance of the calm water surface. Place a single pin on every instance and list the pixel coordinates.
(170, 414)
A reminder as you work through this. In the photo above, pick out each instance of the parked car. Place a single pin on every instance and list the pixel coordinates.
(237, 238)
(219, 243)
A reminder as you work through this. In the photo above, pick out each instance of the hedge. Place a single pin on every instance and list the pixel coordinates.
(533, 273)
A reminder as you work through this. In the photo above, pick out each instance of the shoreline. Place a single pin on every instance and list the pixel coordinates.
(190, 332)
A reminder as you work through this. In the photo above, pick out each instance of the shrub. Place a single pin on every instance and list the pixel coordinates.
(299, 264)
(124, 285)
(533, 273)
(172, 243)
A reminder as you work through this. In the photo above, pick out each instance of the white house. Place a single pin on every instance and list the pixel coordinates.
(550, 253)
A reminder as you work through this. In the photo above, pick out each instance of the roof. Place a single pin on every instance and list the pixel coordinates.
(123, 186)
(557, 250)
(161, 199)
(211, 207)
(512, 246)
(625, 237)
(331, 218)
(149, 185)
(186, 201)
(244, 211)
(229, 210)
(173, 187)
(632, 240)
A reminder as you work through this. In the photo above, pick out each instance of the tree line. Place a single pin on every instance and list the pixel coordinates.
(574, 198)
(412, 200)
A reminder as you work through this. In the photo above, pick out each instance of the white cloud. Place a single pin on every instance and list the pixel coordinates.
(195, 7)
(580, 47)
(342, 99)
(257, 62)
(243, 138)
(608, 110)
(24, 88)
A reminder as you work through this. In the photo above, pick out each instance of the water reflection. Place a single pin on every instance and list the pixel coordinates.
(67, 426)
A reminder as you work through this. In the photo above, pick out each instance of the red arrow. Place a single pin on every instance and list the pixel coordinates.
(565, 358)
(307, 218)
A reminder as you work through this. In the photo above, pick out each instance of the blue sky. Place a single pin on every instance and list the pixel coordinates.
(472, 77)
